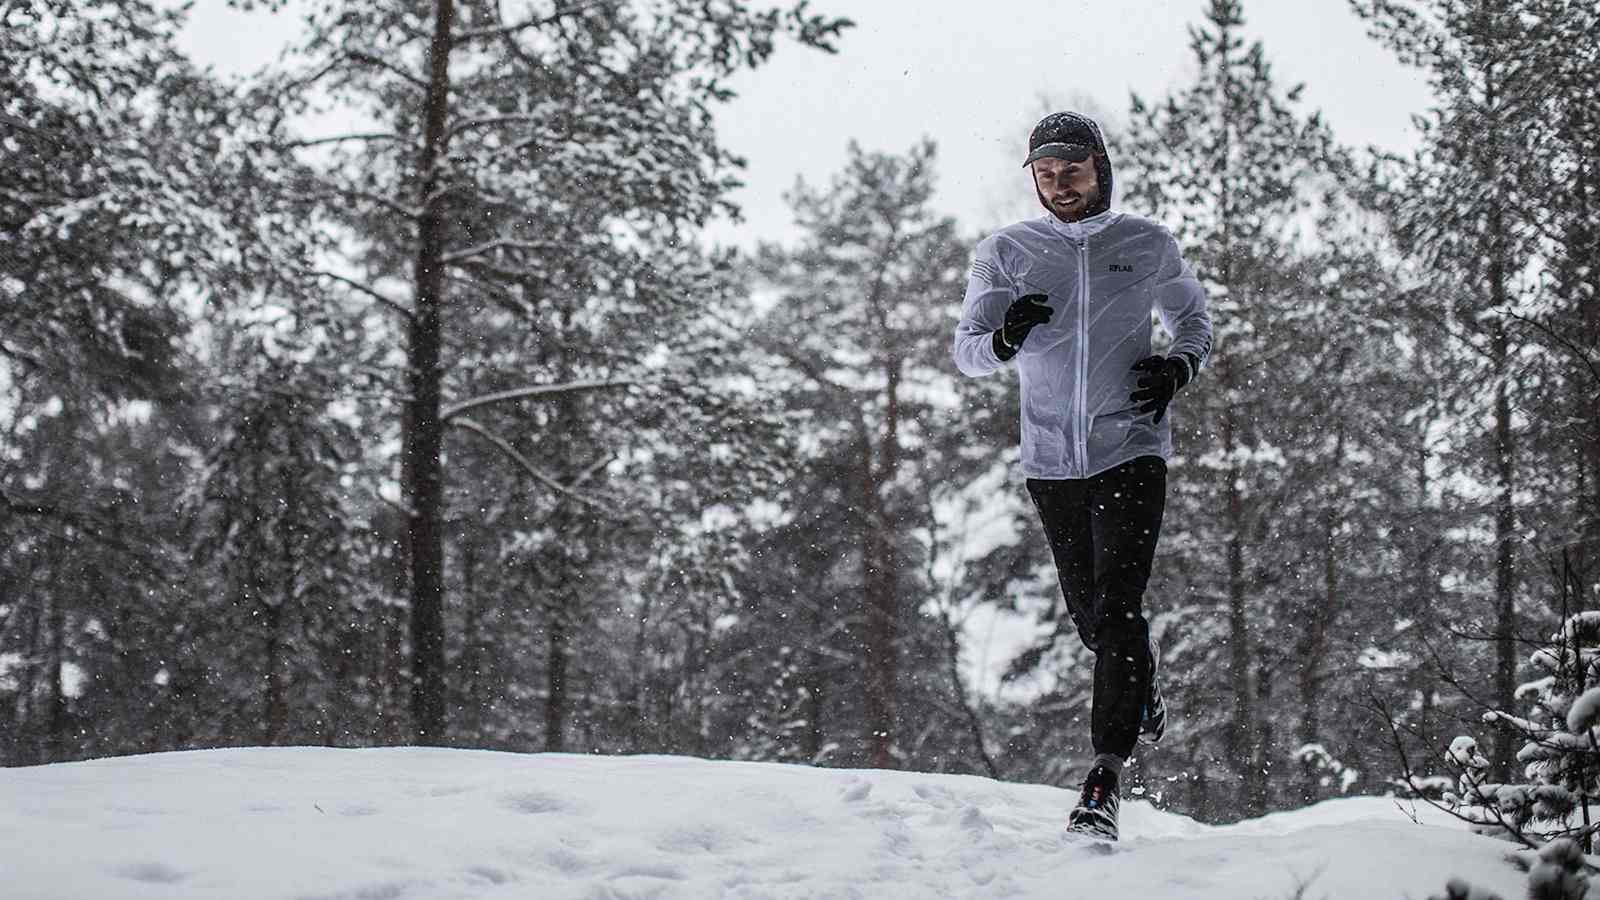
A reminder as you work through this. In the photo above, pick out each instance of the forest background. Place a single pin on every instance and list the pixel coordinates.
(457, 429)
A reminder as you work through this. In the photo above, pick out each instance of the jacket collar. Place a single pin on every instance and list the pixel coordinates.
(1083, 228)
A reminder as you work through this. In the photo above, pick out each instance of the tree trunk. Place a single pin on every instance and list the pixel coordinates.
(472, 649)
(879, 577)
(28, 750)
(879, 606)
(276, 613)
(1242, 739)
(1259, 784)
(1506, 742)
(1583, 247)
(813, 737)
(1313, 643)
(272, 720)
(1241, 736)
(425, 437)
(557, 633)
(56, 723)
(638, 701)
(390, 647)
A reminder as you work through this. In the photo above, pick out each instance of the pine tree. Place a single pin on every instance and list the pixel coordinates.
(129, 198)
(277, 528)
(1240, 174)
(1465, 220)
(1558, 754)
(1561, 35)
(858, 339)
(525, 161)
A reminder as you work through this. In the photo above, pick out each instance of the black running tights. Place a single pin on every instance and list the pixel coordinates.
(1103, 532)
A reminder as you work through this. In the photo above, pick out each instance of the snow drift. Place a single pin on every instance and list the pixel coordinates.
(386, 824)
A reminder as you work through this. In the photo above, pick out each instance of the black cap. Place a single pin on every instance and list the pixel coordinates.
(1067, 135)
(1064, 135)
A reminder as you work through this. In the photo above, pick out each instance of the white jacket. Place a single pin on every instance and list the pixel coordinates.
(1104, 275)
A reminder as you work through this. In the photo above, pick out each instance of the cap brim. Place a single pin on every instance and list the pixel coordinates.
(1068, 152)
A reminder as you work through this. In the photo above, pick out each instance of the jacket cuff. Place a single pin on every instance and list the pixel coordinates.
(1190, 367)
(1001, 349)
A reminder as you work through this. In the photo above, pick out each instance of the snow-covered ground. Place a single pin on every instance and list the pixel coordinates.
(419, 823)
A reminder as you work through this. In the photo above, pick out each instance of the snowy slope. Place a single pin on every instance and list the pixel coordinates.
(319, 824)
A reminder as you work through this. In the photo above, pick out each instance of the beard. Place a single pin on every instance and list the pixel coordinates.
(1070, 205)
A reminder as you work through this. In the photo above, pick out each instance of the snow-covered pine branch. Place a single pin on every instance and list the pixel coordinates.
(367, 57)
(406, 212)
(366, 289)
(499, 31)
(1560, 755)
(1584, 711)
(524, 393)
(471, 124)
(465, 253)
(504, 446)
(344, 138)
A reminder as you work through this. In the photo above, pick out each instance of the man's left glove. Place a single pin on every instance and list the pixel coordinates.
(1163, 376)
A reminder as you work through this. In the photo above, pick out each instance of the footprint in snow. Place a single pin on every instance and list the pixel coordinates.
(973, 819)
(649, 870)
(934, 796)
(535, 802)
(568, 862)
(150, 872)
(266, 808)
(490, 874)
(696, 839)
(383, 890)
(856, 790)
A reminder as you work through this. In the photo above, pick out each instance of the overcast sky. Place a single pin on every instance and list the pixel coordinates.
(972, 74)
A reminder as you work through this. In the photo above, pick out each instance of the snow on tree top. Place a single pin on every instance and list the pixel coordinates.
(1581, 716)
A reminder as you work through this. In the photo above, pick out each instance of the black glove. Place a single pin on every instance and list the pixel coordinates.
(1164, 375)
(1021, 316)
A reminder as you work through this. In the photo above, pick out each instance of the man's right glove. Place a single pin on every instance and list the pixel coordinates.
(1022, 315)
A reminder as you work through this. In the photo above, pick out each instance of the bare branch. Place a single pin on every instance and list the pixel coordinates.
(365, 289)
(490, 247)
(1409, 774)
(512, 149)
(406, 212)
(293, 85)
(26, 508)
(472, 34)
(967, 711)
(373, 136)
(505, 447)
(371, 59)
(481, 266)
(1566, 342)
(524, 393)
(590, 472)
(489, 122)
(20, 125)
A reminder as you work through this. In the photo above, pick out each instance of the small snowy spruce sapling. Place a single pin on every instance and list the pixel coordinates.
(1561, 751)
(1559, 874)
(1461, 890)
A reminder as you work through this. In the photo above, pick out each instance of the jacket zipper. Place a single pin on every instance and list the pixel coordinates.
(1083, 359)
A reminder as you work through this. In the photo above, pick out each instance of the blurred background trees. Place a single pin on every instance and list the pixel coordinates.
(450, 428)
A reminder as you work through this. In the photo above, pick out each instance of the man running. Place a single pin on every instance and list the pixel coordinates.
(1069, 296)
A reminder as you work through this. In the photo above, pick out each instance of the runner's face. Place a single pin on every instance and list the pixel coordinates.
(1068, 189)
